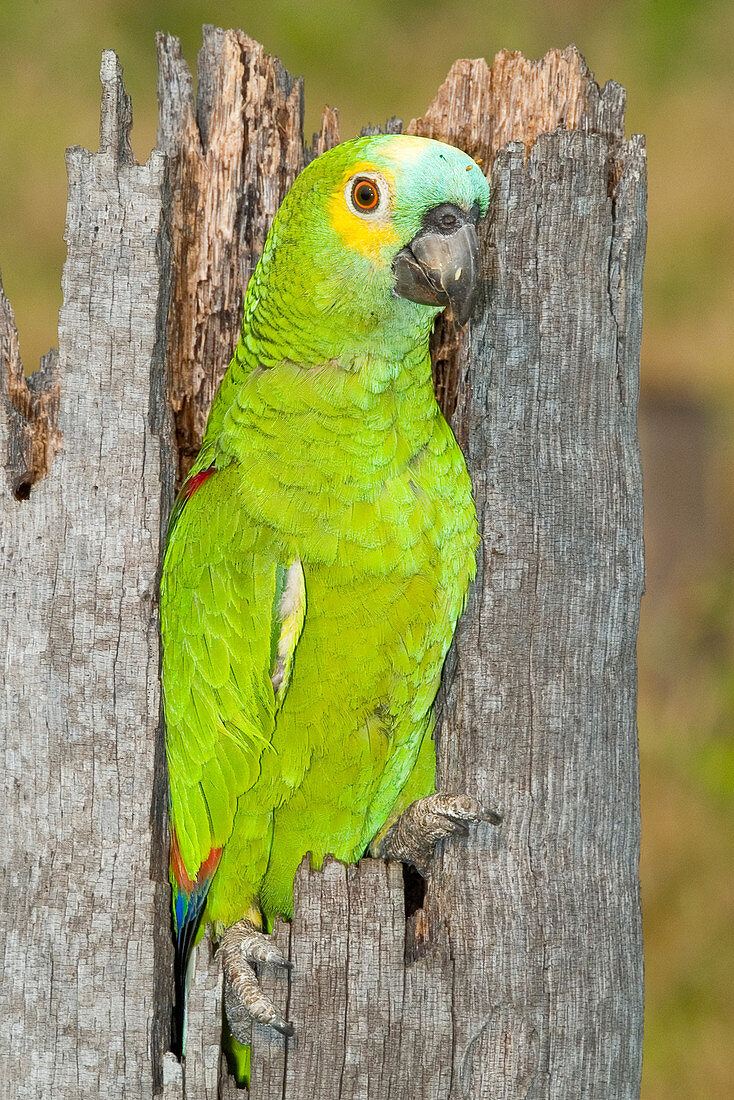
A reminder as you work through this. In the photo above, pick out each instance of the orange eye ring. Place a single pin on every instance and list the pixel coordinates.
(365, 195)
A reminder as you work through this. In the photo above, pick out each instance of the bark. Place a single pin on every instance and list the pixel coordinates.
(232, 156)
(84, 924)
(520, 975)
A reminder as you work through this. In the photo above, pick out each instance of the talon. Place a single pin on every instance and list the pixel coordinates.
(242, 946)
(413, 837)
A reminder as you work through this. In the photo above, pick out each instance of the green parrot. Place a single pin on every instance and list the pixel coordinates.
(320, 552)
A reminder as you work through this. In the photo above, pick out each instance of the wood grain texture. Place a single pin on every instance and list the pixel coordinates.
(31, 408)
(232, 156)
(521, 975)
(328, 135)
(480, 109)
(517, 99)
(542, 917)
(366, 1024)
(83, 941)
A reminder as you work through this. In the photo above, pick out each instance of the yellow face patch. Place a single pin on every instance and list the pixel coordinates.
(371, 234)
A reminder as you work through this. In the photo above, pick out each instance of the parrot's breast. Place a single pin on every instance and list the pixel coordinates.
(379, 509)
(366, 486)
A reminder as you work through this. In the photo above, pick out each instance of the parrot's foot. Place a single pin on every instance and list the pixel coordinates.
(413, 837)
(242, 946)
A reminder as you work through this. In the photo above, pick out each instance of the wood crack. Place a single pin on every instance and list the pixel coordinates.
(31, 407)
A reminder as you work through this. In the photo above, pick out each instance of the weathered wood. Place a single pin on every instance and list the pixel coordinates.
(540, 710)
(539, 697)
(31, 406)
(480, 109)
(231, 159)
(366, 1024)
(328, 135)
(521, 974)
(85, 945)
(518, 99)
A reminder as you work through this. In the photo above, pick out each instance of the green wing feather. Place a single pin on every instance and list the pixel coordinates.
(231, 613)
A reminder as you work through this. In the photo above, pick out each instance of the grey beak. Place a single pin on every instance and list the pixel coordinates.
(440, 266)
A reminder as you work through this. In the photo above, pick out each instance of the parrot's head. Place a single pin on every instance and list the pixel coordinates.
(380, 234)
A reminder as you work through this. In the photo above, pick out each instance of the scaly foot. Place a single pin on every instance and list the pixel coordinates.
(413, 837)
(244, 1001)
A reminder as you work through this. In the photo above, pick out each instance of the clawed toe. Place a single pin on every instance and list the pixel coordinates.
(242, 946)
(461, 809)
(413, 837)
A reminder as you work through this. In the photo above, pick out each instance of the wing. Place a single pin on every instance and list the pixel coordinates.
(231, 615)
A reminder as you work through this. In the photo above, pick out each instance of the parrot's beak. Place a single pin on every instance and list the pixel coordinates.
(440, 266)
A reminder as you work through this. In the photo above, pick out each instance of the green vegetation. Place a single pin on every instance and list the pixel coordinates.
(686, 719)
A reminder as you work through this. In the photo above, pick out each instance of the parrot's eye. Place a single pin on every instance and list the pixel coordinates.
(365, 195)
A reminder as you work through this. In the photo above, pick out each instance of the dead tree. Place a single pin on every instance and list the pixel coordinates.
(520, 974)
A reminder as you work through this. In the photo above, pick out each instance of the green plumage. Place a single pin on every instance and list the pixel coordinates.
(313, 580)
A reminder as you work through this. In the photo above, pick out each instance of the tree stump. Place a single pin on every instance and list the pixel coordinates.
(520, 974)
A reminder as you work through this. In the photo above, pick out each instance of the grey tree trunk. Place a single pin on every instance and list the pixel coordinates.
(520, 974)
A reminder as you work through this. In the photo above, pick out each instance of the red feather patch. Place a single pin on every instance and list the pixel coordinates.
(203, 875)
(195, 482)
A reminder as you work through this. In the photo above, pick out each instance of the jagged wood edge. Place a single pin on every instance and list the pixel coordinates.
(31, 406)
(480, 109)
(231, 158)
(80, 563)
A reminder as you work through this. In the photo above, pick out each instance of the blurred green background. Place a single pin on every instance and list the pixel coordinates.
(371, 61)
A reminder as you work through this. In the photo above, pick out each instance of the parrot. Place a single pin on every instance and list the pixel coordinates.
(319, 556)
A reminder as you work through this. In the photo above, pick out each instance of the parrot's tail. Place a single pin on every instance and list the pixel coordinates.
(185, 940)
(189, 898)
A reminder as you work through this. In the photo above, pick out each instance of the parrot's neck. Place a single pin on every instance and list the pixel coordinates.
(346, 437)
(318, 314)
(356, 420)
(277, 328)
(329, 363)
